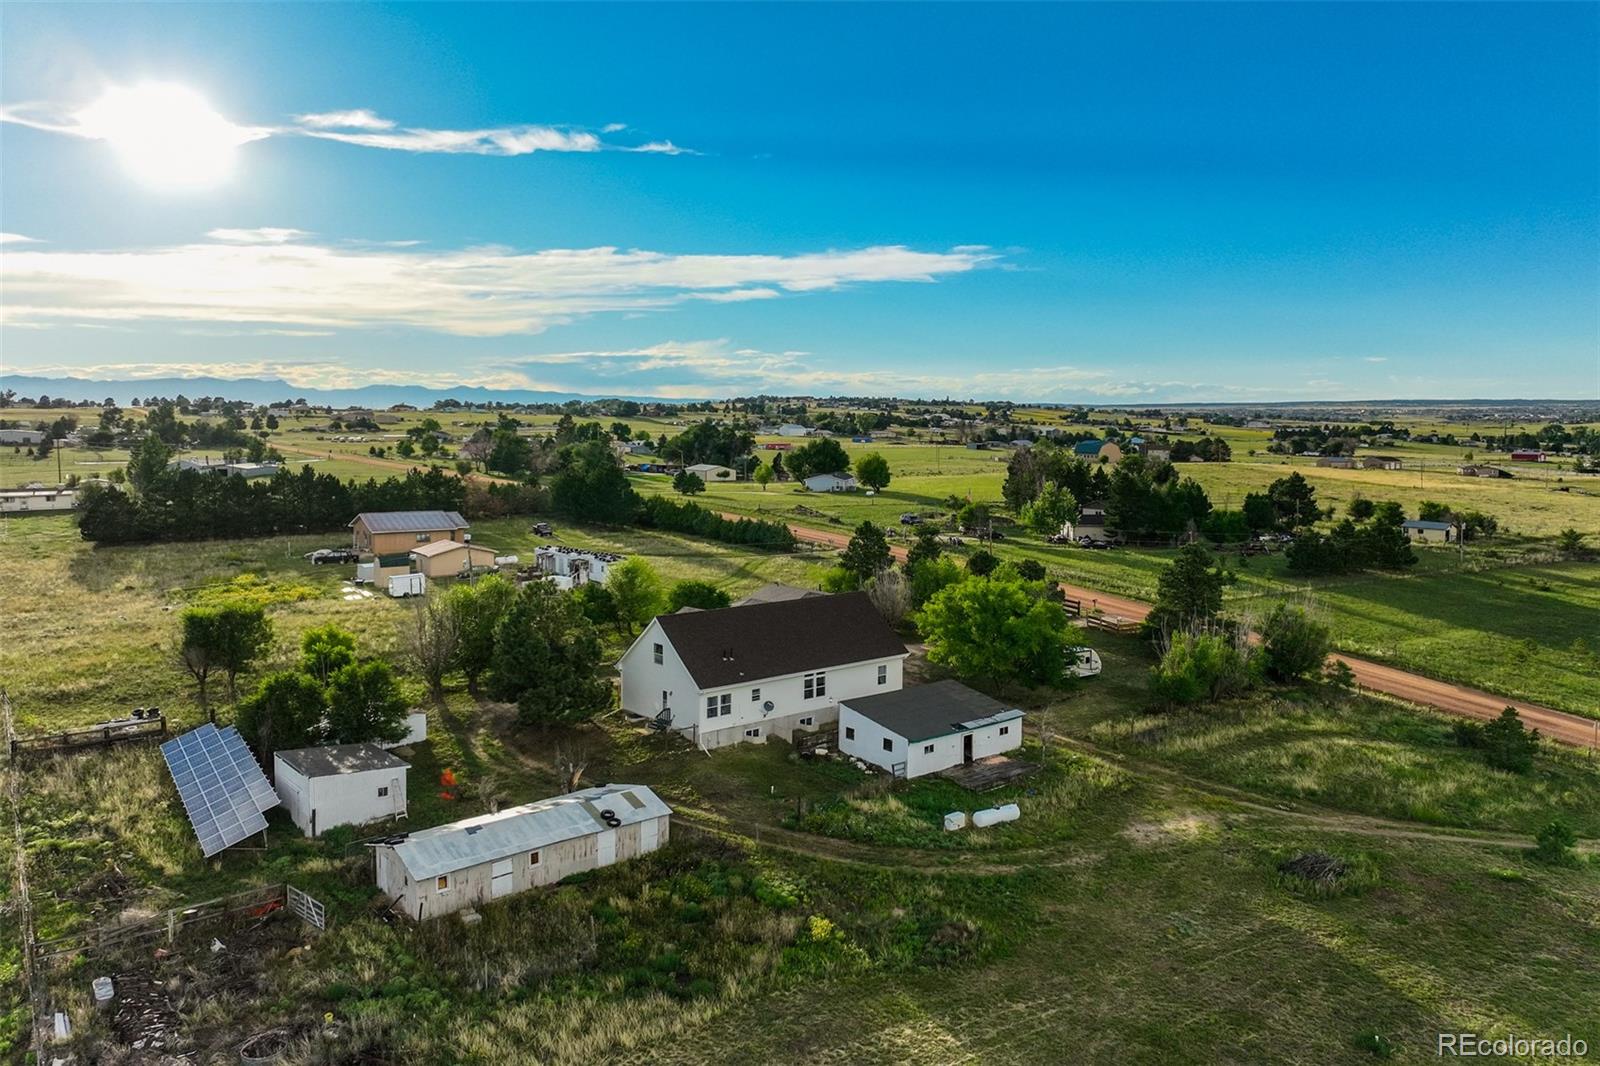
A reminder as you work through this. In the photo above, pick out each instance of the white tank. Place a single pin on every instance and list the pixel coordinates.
(955, 820)
(995, 815)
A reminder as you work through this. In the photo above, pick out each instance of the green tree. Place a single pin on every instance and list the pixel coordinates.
(365, 704)
(147, 462)
(1554, 844)
(1294, 500)
(1508, 744)
(1569, 540)
(1294, 645)
(590, 486)
(1188, 592)
(982, 562)
(823, 456)
(224, 638)
(547, 658)
(700, 594)
(636, 589)
(688, 483)
(1361, 508)
(995, 631)
(478, 608)
(931, 575)
(284, 712)
(924, 548)
(1201, 666)
(597, 605)
(867, 552)
(1053, 508)
(872, 470)
(762, 475)
(325, 650)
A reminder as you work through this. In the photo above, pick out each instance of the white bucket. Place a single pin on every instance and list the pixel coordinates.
(955, 820)
(104, 991)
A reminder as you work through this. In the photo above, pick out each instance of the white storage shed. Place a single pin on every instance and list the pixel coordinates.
(927, 728)
(341, 784)
(472, 862)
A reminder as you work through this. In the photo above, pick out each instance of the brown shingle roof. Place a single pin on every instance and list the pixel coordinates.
(734, 645)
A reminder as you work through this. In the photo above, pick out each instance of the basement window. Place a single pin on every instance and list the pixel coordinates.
(756, 732)
(1005, 731)
(533, 858)
(888, 744)
(383, 790)
(927, 749)
(808, 721)
(849, 732)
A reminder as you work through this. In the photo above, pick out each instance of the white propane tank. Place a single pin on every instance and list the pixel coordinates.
(995, 815)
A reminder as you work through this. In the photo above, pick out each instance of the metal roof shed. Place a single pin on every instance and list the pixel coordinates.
(340, 784)
(477, 860)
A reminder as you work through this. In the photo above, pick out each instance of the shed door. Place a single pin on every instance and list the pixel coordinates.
(648, 832)
(606, 846)
(500, 879)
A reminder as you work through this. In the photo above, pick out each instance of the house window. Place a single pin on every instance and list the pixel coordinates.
(423, 538)
(717, 705)
(1005, 731)
(883, 675)
(755, 694)
(808, 721)
(756, 732)
(658, 654)
(815, 685)
(383, 790)
(849, 732)
(927, 749)
(888, 744)
(443, 882)
(533, 858)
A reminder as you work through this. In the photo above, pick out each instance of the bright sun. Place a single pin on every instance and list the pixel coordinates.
(167, 136)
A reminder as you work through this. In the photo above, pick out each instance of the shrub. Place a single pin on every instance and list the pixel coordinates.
(1294, 645)
(1202, 665)
(1554, 844)
(982, 562)
(701, 594)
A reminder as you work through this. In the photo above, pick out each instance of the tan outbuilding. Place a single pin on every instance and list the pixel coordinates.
(384, 533)
(449, 558)
(472, 862)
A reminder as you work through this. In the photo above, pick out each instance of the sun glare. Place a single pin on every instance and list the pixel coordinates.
(167, 136)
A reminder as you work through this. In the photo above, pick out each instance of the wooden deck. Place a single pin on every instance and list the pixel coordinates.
(985, 775)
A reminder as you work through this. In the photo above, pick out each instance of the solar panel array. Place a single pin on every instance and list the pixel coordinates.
(222, 787)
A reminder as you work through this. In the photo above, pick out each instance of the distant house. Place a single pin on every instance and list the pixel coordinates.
(386, 533)
(1337, 462)
(1380, 462)
(776, 593)
(789, 429)
(1097, 451)
(568, 567)
(1022, 442)
(1419, 529)
(206, 465)
(927, 728)
(343, 784)
(1526, 456)
(21, 436)
(1091, 524)
(37, 501)
(710, 472)
(450, 558)
(478, 860)
(830, 483)
(1480, 470)
(741, 674)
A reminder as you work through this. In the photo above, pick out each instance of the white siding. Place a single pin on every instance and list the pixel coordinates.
(319, 804)
(948, 751)
(643, 681)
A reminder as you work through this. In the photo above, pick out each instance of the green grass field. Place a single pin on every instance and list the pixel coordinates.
(1135, 913)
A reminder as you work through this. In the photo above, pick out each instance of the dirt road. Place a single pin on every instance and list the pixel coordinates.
(1462, 700)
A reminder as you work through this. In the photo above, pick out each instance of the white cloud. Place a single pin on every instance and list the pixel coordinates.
(663, 148)
(249, 278)
(613, 127)
(359, 119)
(260, 235)
(1375, 359)
(507, 141)
(17, 238)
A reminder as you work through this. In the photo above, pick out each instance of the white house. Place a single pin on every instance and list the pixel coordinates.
(765, 669)
(712, 472)
(1423, 530)
(34, 501)
(477, 860)
(927, 728)
(829, 483)
(342, 784)
(789, 429)
(21, 436)
(570, 567)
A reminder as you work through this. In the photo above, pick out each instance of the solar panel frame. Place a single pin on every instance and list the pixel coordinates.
(222, 788)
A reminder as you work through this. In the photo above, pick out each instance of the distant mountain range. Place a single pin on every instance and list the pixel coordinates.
(269, 390)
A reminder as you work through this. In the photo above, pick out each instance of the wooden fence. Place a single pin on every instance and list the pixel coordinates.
(105, 735)
(166, 925)
(1112, 623)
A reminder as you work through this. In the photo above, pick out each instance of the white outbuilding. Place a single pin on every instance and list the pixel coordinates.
(711, 473)
(478, 860)
(830, 483)
(927, 728)
(341, 784)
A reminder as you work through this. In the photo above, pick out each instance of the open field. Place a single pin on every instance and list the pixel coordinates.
(1142, 870)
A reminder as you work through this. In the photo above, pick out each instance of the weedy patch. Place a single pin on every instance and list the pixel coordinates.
(252, 589)
(1319, 875)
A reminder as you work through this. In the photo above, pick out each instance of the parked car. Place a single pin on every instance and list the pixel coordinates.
(543, 529)
(910, 519)
(332, 555)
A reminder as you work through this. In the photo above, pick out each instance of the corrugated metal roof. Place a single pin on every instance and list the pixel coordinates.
(440, 547)
(1422, 523)
(447, 848)
(410, 521)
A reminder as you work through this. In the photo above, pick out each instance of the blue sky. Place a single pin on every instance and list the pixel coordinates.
(1068, 203)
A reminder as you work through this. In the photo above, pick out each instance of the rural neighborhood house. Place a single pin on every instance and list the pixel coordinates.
(395, 533)
(743, 674)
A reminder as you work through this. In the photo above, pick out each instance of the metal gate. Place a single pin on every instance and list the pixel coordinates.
(306, 908)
